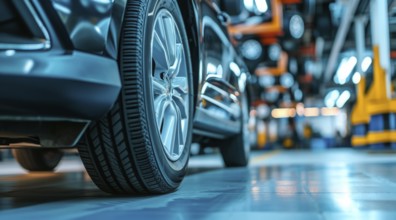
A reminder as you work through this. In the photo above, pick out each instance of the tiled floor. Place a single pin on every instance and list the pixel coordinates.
(292, 185)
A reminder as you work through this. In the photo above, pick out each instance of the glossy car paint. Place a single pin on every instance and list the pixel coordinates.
(93, 26)
(220, 73)
(222, 76)
(94, 30)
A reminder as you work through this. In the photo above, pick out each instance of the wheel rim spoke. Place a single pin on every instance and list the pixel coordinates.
(179, 102)
(160, 54)
(168, 131)
(168, 25)
(174, 69)
(170, 85)
(161, 106)
(159, 86)
(178, 133)
(180, 85)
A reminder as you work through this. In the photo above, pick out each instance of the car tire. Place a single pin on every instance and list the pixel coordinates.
(142, 145)
(36, 160)
(235, 150)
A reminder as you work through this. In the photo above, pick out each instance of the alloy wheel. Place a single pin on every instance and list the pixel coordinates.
(170, 85)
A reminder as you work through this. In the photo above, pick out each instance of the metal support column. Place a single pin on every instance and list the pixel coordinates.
(380, 37)
(359, 115)
(380, 107)
(360, 25)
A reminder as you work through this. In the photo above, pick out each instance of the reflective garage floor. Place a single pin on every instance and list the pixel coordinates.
(336, 184)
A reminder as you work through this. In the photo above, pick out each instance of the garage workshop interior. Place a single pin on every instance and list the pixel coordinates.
(198, 109)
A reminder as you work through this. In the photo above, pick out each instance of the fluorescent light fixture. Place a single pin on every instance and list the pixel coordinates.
(339, 70)
(300, 109)
(331, 97)
(356, 77)
(311, 112)
(262, 6)
(330, 111)
(249, 4)
(283, 113)
(344, 97)
(366, 63)
(345, 69)
(307, 112)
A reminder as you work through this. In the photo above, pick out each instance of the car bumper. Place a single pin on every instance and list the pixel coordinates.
(63, 86)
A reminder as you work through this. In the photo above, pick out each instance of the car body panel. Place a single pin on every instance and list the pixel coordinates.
(83, 75)
(218, 101)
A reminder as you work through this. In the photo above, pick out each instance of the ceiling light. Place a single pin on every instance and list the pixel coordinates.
(331, 97)
(262, 6)
(287, 80)
(298, 95)
(249, 4)
(330, 111)
(263, 111)
(311, 112)
(366, 63)
(283, 113)
(293, 65)
(344, 97)
(345, 69)
(251, 49)
(274, 52)
(356, 77)
(300, 109)
(266, 81)
(296, 26)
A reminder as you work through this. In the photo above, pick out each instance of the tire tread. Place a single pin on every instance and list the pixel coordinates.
(118, 155)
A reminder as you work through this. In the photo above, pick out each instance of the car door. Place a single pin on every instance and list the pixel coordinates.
(218, 108)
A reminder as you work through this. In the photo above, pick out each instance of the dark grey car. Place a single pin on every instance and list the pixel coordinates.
(127, 82)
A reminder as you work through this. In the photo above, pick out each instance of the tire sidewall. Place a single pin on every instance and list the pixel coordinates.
(173, 171)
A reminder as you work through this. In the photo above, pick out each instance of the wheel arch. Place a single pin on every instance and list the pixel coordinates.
(190, 13)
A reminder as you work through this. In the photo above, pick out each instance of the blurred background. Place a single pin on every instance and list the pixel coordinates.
(322, 71)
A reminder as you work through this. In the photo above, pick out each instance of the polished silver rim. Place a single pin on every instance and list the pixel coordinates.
(170, 85)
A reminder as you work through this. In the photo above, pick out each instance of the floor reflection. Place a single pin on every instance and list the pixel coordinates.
(286, 191)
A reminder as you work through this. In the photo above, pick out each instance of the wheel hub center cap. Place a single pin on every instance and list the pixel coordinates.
(169, 89)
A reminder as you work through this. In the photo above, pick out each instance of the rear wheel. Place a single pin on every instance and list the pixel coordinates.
(38, 159)
(236, 150)
(143, 144)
